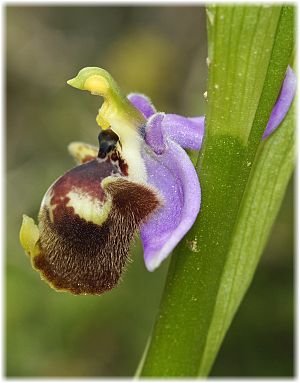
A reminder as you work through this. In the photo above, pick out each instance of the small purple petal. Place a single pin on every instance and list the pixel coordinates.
(154, 135)
(187, 132)
(174, 176)
(283, 102)
(142, 103)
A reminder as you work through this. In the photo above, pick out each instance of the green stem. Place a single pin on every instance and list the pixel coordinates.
(249, 50)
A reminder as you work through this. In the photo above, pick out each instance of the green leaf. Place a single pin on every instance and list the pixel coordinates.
(249, 50)
(240, 42)
(269, 177)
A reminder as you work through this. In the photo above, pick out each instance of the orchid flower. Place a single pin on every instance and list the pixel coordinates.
(140, 178)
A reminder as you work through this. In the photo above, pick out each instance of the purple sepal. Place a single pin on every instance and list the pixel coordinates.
(173, 175)
(283, 102)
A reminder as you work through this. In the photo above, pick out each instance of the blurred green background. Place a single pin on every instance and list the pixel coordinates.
(159, 51)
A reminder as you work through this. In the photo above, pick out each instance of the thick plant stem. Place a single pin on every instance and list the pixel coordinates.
(249, 50)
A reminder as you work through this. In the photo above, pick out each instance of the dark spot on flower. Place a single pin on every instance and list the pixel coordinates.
(108, 140)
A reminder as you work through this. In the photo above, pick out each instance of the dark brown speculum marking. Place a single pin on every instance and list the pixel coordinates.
(81, 256)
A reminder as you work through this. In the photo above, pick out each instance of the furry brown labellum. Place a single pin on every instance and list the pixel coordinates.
(86, 222)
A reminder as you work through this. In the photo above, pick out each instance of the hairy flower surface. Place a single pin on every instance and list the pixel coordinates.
(140, 177)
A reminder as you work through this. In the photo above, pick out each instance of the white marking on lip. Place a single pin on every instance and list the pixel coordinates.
(89, 208)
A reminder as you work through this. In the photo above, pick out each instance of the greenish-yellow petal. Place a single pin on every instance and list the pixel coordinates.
(29, 236)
